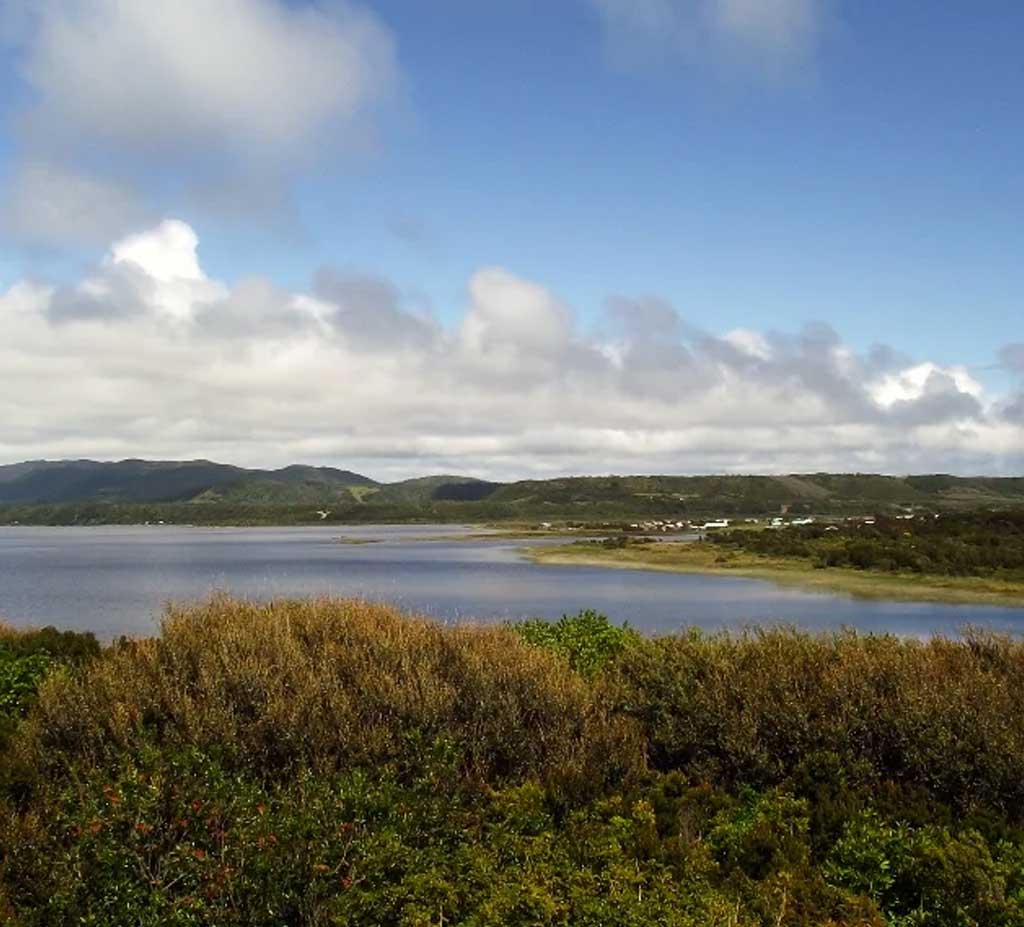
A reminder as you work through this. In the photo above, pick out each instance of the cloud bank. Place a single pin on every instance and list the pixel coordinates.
(148, 356)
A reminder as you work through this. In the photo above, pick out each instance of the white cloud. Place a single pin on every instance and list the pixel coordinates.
(166, 253)
(259, 75)
(148, 356)
(153, 271)
(915, 383)
(786, 28)
(511, 320)
(220, 99)
(750, 342)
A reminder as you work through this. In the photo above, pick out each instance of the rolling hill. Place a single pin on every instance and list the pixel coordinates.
(144, 481)
(76, 491)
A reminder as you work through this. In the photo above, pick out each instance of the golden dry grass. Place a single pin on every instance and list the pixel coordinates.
(331, 684)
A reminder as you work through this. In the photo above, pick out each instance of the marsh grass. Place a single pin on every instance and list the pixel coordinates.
(693, 557)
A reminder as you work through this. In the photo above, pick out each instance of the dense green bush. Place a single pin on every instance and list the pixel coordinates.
(589, 641)
(753, 708)
(69, 647)
(26, 658)
(19, 680)
(974, 544)
(178, 838)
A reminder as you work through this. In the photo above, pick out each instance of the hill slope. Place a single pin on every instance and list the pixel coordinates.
(210, 492)
(139, 481)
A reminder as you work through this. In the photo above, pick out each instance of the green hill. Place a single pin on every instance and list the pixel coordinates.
(143, 481)
(202, 491)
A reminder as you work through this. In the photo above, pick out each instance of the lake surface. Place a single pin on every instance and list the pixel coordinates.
(115, 580)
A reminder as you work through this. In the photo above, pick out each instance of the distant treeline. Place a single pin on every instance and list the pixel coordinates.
(204, 493)
(953, 544)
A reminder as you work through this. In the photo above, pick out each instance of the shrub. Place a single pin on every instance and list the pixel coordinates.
(589, 641)
(69, 647)
(178, 837)
(335, 685)
(335, 762)
(26, 657)
(750, 708)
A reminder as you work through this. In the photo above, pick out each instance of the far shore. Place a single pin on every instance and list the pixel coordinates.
(691, 557)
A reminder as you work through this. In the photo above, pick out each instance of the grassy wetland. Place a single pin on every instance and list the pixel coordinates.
(338, 762)
(970, 558)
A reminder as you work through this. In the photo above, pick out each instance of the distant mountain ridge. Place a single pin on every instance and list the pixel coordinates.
(204, 485)
(168, 481)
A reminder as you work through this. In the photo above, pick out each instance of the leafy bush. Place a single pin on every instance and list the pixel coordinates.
(589, 641)
(19, 679)
(69, 647)
(965, 544)
(177, 837)
(26, 657)
(753, 708)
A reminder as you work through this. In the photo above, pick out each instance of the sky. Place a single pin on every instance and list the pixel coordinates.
(514, 238)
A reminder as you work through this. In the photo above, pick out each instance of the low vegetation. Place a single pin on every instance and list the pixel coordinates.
(975, 557)
(336, 762)
(988, 544)
(26, 658)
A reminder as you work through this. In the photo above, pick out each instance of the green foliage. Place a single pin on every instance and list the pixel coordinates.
(931, 874)
(19, 679)
(170, 838)
(757, 708)
(589, 641)
(26, 658)
(975, 544)
(71, 647)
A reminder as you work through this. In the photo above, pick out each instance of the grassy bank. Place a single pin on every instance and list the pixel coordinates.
(333, 762)
(695, 557)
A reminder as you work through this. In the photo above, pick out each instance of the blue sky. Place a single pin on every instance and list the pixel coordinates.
(856, 164)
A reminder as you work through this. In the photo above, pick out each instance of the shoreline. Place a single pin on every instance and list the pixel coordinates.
(684, 557)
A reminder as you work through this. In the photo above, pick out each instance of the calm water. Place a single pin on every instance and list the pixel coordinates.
(115, 580)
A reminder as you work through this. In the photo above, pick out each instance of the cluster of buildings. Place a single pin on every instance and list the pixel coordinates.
(661, 525)
(672, 525)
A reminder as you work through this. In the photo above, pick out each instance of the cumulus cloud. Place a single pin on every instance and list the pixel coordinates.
(766, 38)
(370, 312)
(247, 74)
(148, 356)
(155, 272)
(513, 324)
(196, 92)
